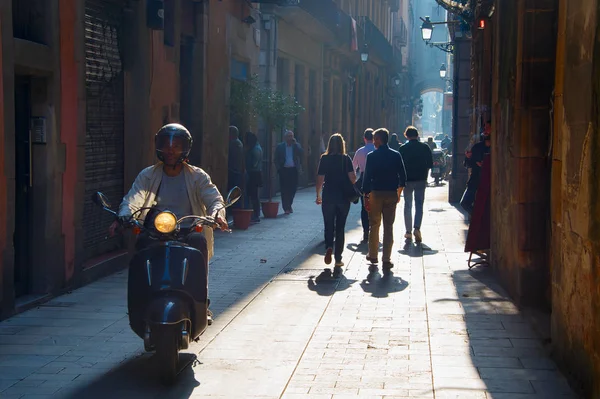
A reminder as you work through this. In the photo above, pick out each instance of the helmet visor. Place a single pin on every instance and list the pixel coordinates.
(173, 148)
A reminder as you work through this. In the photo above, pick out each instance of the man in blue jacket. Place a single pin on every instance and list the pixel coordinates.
(287, 161)
(418, 159)
(384, 180)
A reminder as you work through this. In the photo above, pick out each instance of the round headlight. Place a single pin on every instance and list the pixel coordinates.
(165, 222)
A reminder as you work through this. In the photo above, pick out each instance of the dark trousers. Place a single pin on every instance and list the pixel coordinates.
(334, 218)
(468, 198)
(254, 181)
(288, 181)
(234, 179)
(364, 217)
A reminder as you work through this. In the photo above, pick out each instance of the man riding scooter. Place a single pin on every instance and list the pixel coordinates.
(174, 185)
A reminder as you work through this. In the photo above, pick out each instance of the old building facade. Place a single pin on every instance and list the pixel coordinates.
(86, 84)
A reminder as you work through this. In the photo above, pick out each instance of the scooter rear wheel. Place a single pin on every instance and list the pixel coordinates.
(167, 354)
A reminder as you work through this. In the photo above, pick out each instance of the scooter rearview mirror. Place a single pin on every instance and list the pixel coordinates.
(234, 195)
(101, 200)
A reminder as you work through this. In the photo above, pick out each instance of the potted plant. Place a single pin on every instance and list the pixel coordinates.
(278, 111)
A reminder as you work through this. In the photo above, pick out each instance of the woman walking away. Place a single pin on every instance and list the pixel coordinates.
(335, 167)
(254, 155)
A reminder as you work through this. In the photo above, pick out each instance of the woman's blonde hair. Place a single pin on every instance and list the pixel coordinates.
(336, 145)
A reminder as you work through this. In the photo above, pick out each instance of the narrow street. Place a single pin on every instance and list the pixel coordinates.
(431, 330)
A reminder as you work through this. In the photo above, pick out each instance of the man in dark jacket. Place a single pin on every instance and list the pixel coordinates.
(287, 162)
(418, 159)
(383, 183)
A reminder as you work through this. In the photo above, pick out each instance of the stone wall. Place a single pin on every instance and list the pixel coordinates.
(523, 80)
(575, 249)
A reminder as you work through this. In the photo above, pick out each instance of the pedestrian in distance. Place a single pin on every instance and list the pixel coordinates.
(418, 159)
(359, 163)
(287, 161)
(254, 159)
(384, 180)
(335, 167)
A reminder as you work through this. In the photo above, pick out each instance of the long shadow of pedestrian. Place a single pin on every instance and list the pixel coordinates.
(416, 250)
(137, 378)
(326, 283)
(382, 286)
(362, 247)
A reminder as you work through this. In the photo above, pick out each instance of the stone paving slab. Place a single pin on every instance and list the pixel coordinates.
(431, 329)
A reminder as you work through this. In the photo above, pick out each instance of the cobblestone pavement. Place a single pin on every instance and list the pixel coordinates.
(282, 330)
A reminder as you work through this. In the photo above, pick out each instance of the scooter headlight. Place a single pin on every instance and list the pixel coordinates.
(165, 222)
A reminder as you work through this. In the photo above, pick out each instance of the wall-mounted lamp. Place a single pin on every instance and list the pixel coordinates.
(249, 20)
(443, 71)
(364, 54)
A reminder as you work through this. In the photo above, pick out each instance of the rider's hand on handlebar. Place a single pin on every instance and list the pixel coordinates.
(223, 225)
(116, 225)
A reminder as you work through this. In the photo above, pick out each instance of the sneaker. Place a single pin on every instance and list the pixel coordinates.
(408, 236)
(418, 237)
(328, 256)
(209, 317)
(388, 265)
(339, 263)
(337, 271)
(287, 212)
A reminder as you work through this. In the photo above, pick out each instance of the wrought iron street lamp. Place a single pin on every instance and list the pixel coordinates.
(443, 71)
(364, 54)
(426, 29)
(427, 33)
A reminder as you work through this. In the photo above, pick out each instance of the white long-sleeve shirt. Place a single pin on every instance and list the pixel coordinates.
(360, 158)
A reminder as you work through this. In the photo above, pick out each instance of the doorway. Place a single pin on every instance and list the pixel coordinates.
(23, 185)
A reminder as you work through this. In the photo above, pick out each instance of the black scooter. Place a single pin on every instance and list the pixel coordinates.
(167, 290)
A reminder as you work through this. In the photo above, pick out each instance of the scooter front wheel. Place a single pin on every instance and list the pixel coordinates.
(167, 354)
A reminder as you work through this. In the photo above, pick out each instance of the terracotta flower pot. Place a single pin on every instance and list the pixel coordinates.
(241, 218)
(270, 209)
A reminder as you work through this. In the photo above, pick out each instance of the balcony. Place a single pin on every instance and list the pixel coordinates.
(400, 33)
(376, 40)
(321, 19)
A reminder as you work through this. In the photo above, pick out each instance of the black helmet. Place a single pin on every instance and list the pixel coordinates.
(173, 136)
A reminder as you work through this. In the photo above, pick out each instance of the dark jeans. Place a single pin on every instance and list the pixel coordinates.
(468, 198)
(334, 218)
(288, 181)
(234, 179)
(416, 189)
(364, 217)
(254, 181)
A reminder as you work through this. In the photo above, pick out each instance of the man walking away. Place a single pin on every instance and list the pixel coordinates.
(359, 162)
(385, 177)
(287, 162)
(418, 159)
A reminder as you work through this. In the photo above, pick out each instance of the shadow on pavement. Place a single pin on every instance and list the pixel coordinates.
(382, 286)
(326, 284)
(137, 378)
(362, 247)
(415, 250)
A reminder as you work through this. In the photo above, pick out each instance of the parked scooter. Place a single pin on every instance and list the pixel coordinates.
(167, 290)
(438, 171)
